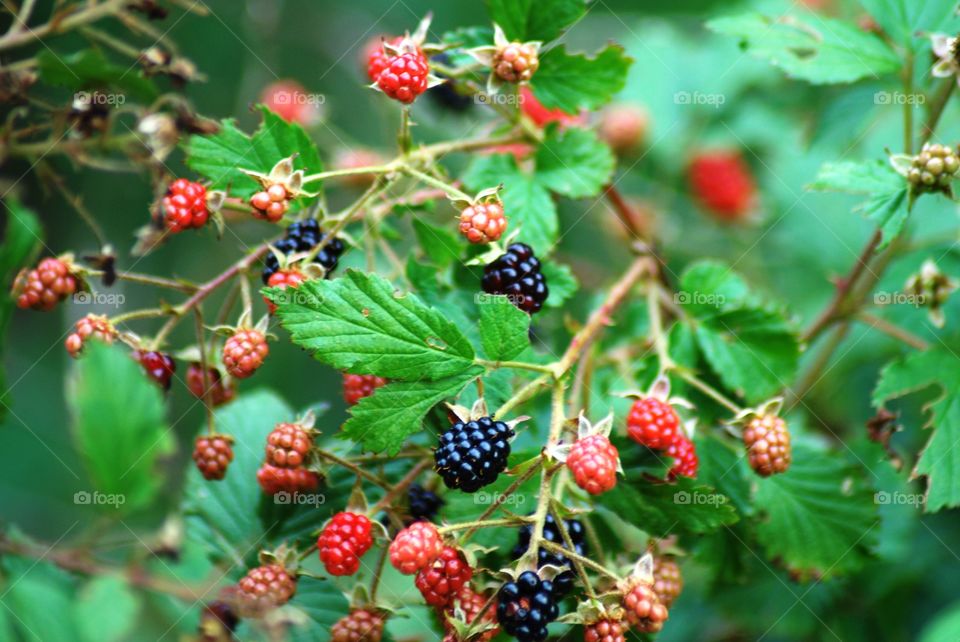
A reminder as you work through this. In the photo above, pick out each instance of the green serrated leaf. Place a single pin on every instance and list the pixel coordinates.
(220, 157)
(383, 421)
(819, 50)
(940, 459)
(504, 328)
(662, 509)
(573, 162)
(465, 38)
(908, 22)
(361, 324)
(572, 82)
(887, 192)
(526, 202)
(819, 515)
(119, 428)
(441, 246)
(561, 281)
(89, 69)
(541, 20)
(32, 590)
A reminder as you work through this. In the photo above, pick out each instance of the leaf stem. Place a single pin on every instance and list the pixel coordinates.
(435, 182)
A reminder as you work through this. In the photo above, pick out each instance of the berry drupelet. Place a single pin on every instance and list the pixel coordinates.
(158, 366)
(212, 454)
(526, 606)
(185, 206)
(303, 236)
(472, 454)
(517, 275)
(405, 77)
(343, 541)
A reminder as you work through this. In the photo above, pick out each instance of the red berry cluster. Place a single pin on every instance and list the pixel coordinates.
(441, 581)
(415, 547)
(92, 326)
(655, 424)
(343, 541)
(219, 391)
(606, 630)
(271, 204)
(212, 454)
(722, 183)
(593, 462)
(644, 610)
(287, 453)
(483, 222)
(516, 62)
(768, 445)
(361, 625)
(405, 77)
(185, 205)
(378, 58)
(470, 603)
(266, 587)
(283, 279)
(244, 352)
(158, 366)
(43, 287)
(356, 387)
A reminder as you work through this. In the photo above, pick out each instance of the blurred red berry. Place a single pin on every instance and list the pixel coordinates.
(721, 182)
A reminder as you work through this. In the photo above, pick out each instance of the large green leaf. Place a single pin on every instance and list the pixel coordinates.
(886, 191)
(119, 428)
(232, 519)
(504, 328)
(819, 50)
(818, 516)
(541, 20)
(360, 323)
(664, 509)
(220, 157)
(22, 237)
(33, 590)
(908, 21)
(441, 246)
(940, 460)
(561, 281)
(106, 610)
(395, 411)
(573, 163)
(89, 69)
(571, 82)
(747, 342)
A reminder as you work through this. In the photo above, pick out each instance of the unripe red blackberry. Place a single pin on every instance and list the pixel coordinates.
(405, 78)
(643, 608)
(934, 168)
(440, 582)
(768, 445)
(606, 630)
(218, 391)
(212, 454)
(667, 580)
(483, 222)
(273, 479)
(271, 204)
(623, 127)
(356, 387)
(92, 326)
(288, 445)
(158, 366)
(44, 286)
(723, 184)
(185, 205)
(266, 587)
(289, 100)
(283, 279)
(244, 352)
(516, 62)
(377, 56)
(684, 453)
(470, 604)
(343, 541)
(653, 423)
(541, 116)
(415, 547)
(593, 460)
(362, 625)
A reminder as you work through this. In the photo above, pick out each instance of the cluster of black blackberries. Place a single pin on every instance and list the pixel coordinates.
(303, 236)
(473, 453)
(516, 274)
(424, 504)
(526, 606)
(564, 581)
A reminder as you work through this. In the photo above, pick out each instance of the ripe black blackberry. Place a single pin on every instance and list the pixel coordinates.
(526, 606)
(303, 236)
(563, 582)
(517, 275)
(472, 454)
(424, 504)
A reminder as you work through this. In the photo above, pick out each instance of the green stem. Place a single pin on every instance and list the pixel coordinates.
(516, 365)
(435, 182)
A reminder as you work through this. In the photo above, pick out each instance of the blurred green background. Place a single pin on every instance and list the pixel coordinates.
(785, 129)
